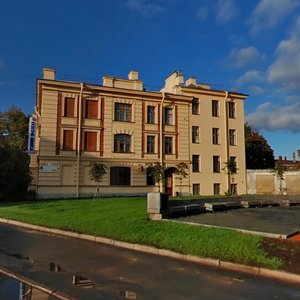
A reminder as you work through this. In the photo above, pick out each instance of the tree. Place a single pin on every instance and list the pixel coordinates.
(14, 173)
(157, 171)
(231, 169)
(14, 128)
(181, 173)
(97, 172)
(279, 171)
(259, 154)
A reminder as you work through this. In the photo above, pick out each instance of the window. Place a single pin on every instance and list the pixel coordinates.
(215, 108)
(150, 114)
(233, 189)
(120, 175)
(196, 189)
(232, 139)
(90, 141)
(168, 145)
(233, 161)
(69, 107)
(150, 144)
(91, 109)
(215, 136)
(195, 107)
(231, 110)
(123, 112)
(216, 164)
(122, 143)
(150, 180)
(195, 163)
(217, 188)
(195, 134)
(168, 116)
(68, 140)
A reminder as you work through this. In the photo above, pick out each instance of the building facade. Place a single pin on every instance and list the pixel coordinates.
(123, 126)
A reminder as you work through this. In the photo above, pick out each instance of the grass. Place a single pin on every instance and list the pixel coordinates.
(125, 219)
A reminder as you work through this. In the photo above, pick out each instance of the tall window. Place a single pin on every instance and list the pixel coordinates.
(68, 140)
(150, 180)
(90, 141)
(168, 145)
(216, 164)
(150, 144)
(91, 109)
(215, 108)
(150, 114)
(232, 137)
(168, 116)
(215, 136)
(231, 110)
(195, 134)
(122, 143)
(120, 175)
(195, 107)
(69, 107)
(195, 163)
(196, 188)
(233, 160)
(217, 188)
(123, 112)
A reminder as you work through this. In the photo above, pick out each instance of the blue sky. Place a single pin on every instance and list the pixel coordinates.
(248, 46)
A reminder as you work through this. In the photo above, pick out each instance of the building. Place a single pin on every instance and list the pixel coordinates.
(124, 126)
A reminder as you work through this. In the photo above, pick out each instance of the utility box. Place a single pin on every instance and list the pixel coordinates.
(157, 205)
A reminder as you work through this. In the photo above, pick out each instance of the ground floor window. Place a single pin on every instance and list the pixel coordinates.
(233, 189)
(196, 188)
(120, 175)
(150, 180)
(217, 188)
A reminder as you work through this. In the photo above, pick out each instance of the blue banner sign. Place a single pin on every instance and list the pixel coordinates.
(31, 135)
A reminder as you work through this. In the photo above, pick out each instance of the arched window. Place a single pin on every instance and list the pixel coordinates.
(122, 143)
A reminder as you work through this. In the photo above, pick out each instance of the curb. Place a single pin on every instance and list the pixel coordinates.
(211, 262)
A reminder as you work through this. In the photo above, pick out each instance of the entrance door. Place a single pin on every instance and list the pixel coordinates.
(169, 181)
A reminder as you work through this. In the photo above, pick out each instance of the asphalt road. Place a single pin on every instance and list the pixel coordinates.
(123, 274)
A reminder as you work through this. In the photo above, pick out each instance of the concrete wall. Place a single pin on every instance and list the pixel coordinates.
(266, 182)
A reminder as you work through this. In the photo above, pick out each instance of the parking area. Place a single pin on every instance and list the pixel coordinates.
(279, 221)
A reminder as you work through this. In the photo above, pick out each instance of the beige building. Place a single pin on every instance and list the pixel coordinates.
(124, 126)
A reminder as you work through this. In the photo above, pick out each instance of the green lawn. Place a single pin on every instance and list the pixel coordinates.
(125, 219)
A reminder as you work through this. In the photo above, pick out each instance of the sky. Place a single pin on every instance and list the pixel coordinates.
(252, 47)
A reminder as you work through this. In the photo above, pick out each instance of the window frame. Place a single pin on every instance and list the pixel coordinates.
(150, 144)
(68, 145)
(196, 187)
(231, 110)
(168, 115)
(217, 188)
(195, 163)
(168, 146)
(150, 114)
(215, 108)
(122, 143)
(195, 106)
(88, 145)
(216, 164)
(120, 176)
(195, 135)
(215, 136)
(232, 137)
(67, 105)
(123, 112)
(91, 109)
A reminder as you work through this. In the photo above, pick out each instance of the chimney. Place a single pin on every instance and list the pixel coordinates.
(49, 73)
(133, 75)
(191, 81)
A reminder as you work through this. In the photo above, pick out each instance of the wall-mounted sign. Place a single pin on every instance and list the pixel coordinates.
(31, 135)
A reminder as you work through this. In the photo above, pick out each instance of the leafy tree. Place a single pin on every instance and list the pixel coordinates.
(259, 154)
(14, 173)
(97, 172)
(279, 171)
(231, 169)
(14, 128)
(157, 171)
(181, 173)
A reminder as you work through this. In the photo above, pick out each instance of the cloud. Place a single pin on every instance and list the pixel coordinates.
(245, 56)
(144, 7)
(226, 11)
(274, 117)
(270, 13)
(250, 77)
(285, 70)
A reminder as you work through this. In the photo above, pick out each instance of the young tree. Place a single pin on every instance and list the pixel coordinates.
(157, 171)
(181, 173)
(259, 154)
(279, 171)
(231, 169)
(97, 172)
